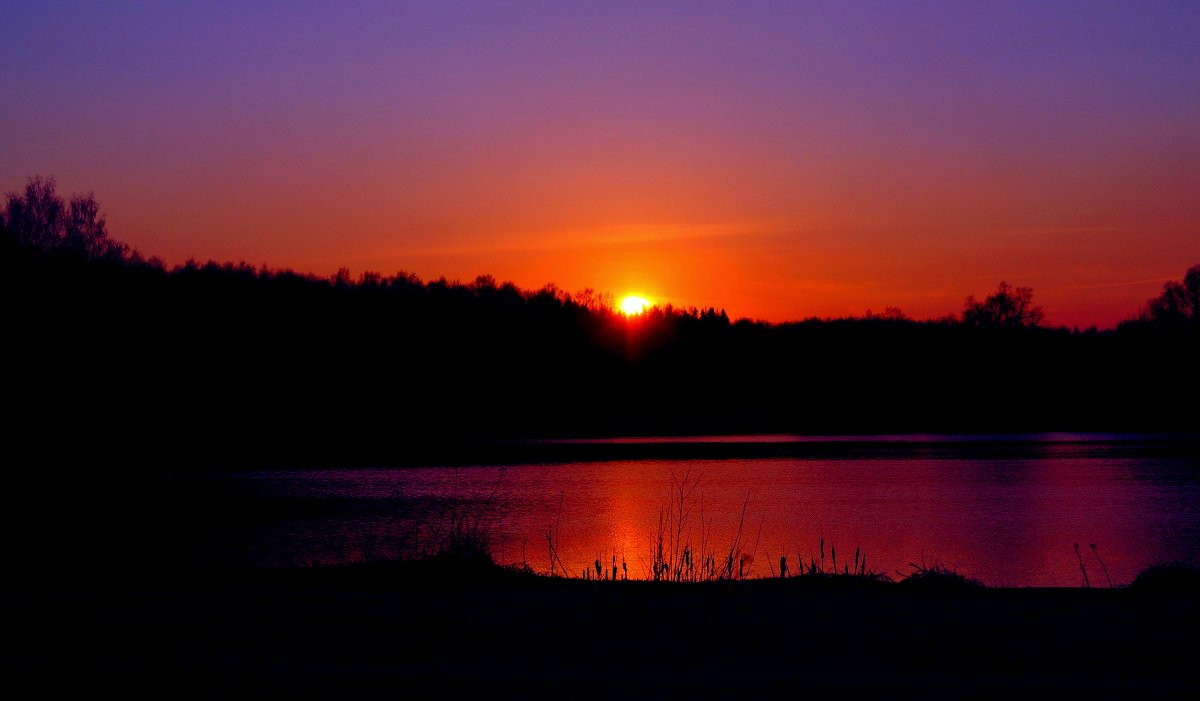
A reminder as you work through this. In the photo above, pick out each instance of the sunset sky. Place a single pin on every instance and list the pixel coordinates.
(780, 160)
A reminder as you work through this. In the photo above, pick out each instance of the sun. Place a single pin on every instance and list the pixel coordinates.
(634, 305)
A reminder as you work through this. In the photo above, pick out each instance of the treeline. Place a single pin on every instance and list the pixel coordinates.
(112, 353)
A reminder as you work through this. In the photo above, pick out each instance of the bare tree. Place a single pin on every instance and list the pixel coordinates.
(1007, 307)
(1178, 307)
(39, 218)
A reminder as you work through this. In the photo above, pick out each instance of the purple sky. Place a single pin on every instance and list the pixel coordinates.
(779, 159)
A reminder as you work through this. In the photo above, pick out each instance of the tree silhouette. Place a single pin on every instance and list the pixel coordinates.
(1178, 307)
(40, 219)
(1008, 307)
(213, 359)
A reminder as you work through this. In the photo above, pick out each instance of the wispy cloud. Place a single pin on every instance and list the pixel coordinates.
(1121, 283)
(601, 237)
(1064, 230)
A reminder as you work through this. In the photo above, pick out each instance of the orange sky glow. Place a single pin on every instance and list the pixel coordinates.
(780, 163)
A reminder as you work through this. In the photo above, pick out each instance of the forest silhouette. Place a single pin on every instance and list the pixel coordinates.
(111, 353)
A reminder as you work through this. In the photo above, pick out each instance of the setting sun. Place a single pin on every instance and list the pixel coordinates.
(634, 305)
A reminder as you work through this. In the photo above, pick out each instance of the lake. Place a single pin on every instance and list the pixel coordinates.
(1007, 510)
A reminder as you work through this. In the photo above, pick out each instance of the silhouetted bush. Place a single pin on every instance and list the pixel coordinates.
(1174, 577)
(938, 578)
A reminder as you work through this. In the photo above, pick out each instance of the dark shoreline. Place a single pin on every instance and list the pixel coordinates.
(407, 453)
(852, 448)
(536, 637)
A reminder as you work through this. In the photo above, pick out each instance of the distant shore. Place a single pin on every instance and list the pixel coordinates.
(723, 447)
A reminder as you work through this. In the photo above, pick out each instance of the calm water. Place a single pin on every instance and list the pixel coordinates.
(1007, 511)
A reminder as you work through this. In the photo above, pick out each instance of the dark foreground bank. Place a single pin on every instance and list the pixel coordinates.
(346, 633)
